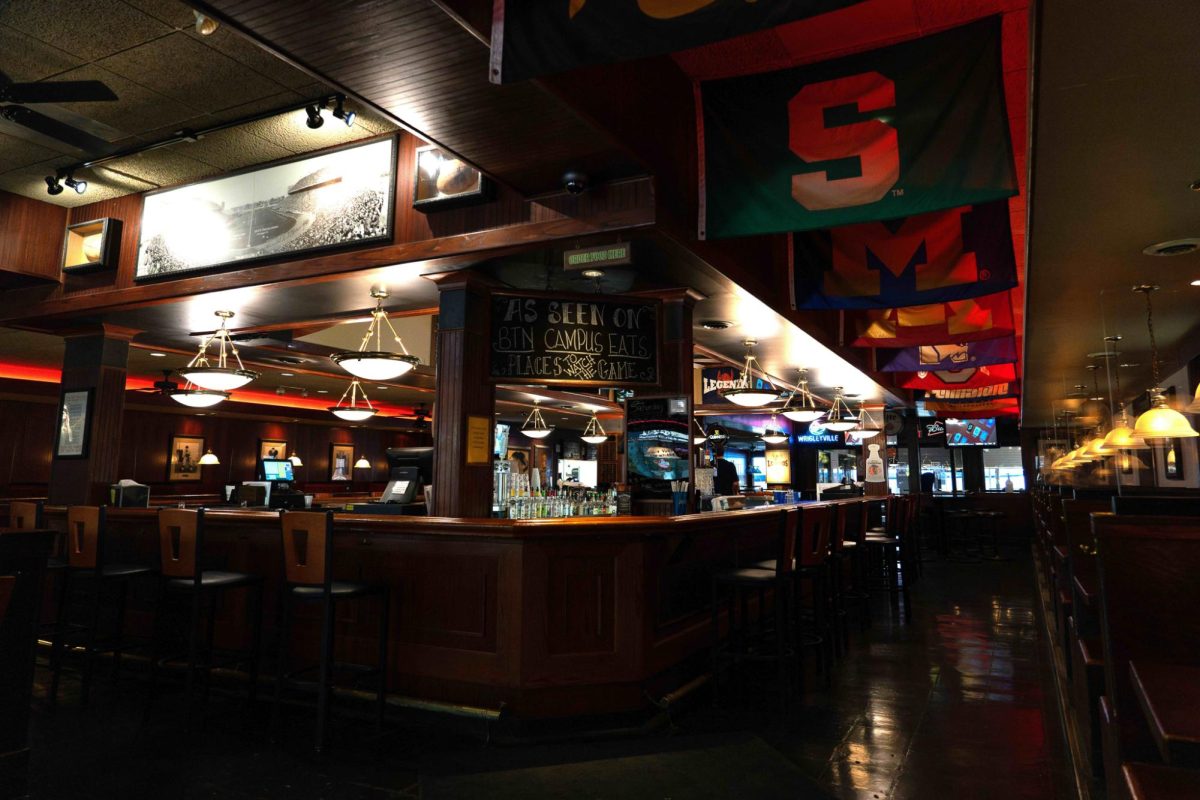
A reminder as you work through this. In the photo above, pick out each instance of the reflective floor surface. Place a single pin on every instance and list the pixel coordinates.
(954, 703)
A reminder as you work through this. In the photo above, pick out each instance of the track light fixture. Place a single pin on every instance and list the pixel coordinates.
(55, 183)
(339, 111)
(53, 187)
(79, 186)
(315, 120)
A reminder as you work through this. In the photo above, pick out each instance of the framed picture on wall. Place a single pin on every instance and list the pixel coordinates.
(272, 448)
(444, 181)
(183, 464)
(74, 423)
(341, 462)
(1173, 460)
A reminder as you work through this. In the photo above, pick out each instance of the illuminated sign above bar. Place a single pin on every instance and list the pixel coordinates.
(605, 255)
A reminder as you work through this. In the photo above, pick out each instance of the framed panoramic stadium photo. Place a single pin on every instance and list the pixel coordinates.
(334, 199)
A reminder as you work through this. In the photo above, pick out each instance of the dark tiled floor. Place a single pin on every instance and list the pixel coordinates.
(952, 704)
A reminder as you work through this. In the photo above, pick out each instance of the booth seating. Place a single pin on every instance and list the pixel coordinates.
(1147, 568)
(307, 539)
(88, 568)
(181, 544)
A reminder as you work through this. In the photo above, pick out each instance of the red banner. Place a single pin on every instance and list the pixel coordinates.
(982, 410)
(955, 379)
(987, 317)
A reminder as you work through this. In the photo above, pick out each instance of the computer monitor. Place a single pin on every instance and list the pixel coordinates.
(420, 458)
(276, 470)
(402, 488)
(129, 495)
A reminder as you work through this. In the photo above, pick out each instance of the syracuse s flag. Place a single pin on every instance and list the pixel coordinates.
(916, 127)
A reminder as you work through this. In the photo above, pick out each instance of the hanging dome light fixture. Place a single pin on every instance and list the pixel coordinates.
(377, 364)
(222, 377)
(535, 426)
(353, 412)
(295, 459)
(840, 417)
(1161, 421)
(209, 459)
(867, 427)
(1122, 437)
(594, 432)
(197, 398)
(773, 433)
(746, 394)
(807, 410)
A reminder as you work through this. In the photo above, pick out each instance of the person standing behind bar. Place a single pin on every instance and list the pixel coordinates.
(725, 482)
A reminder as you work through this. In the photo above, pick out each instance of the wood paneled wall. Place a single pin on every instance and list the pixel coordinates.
(27, 441)
(31, 236)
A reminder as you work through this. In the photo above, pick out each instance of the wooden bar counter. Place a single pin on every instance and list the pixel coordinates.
(539, 618)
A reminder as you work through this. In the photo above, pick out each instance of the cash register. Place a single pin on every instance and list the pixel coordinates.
(273, 487)
(409, 468)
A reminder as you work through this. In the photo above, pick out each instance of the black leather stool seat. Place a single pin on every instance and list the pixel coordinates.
(338, 589)
(125, 570)
(748, 575)
(215, 579)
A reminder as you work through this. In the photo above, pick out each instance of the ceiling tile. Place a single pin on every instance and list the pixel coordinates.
(29, 59)
(16, 152)
(94, 28)
(232, 149)
(251, 55)
(289, 131)
(30, 182)
(186, 70)
(171, 12)
(166, 167)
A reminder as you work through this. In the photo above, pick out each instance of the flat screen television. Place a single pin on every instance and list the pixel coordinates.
(971, 432)
(276, 469)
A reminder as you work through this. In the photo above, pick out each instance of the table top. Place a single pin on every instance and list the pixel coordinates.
(1156, 782)
(1169, 695)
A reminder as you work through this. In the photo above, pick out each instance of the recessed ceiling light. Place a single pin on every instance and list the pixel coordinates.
(715, 324)
(322, 391)
(288, 374)
(382, 387)
(1194, 186)
(1174, 247)
(592, 273)
(158, 355)
(1129, 364)
(1196, 283)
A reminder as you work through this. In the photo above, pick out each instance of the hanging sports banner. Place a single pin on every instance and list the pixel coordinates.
(714, 380)
(947, 356)
(960, 395)
(986, 317)
(908, 129)
(970, 378)
(980, 410)
(928, 258)
(532, 38)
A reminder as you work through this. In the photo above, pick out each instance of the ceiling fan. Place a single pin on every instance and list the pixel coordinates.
(18, 95)
(163, 387)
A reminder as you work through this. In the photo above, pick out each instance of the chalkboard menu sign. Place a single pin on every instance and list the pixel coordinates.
(580, 341)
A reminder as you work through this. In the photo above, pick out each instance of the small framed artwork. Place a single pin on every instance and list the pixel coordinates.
(91, 246)
(341, 461)
(272, 448)
(74, 422)
(1173, 460)
(184, 461)
(445, 181)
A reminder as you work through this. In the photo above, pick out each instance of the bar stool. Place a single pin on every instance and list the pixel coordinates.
(24, 515)
(86, 565)
(992, 520)
(737, 585)
(895, 568)
(308, 577)
(855, 544)
(181, 543)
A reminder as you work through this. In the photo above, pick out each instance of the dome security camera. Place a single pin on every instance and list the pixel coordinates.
(575, 182)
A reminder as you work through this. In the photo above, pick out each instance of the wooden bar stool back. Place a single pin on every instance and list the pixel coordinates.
(308, 551)
(25, 515)
(87, 568)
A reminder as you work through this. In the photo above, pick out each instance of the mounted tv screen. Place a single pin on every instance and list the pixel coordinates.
(971, 432)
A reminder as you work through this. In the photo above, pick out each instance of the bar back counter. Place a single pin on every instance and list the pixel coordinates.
(534, 618)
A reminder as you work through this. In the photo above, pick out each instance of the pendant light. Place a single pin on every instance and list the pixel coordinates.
(745, 393)
(295, 459)
(701, 437)
(1161, 421)
(209, 459)
(535, 426)
(197, 398)
(1122, 437)
(867, 427)
(773, 434)
(594, 432)
(222, 377)
(807, 410)
(840, 418)
(377, 364)
(353, 412)
(362, 463)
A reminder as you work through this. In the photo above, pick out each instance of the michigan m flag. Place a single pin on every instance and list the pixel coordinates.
(908, 129)
(950, 380)
(930, 258)
(987, 317)
(960, 355)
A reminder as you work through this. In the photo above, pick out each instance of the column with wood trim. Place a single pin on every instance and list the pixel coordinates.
(94, 360)
(462, 488)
